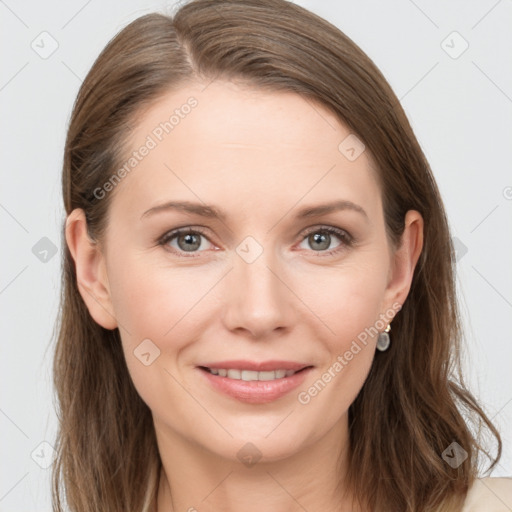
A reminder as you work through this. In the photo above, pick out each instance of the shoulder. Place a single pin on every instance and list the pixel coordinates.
(491, 494)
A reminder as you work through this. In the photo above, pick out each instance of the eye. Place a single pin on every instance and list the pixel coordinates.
(190, 240)
(185, 239)
(320, 239)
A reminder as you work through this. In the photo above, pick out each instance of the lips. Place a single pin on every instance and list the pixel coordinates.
(263, 366)
(251, 390)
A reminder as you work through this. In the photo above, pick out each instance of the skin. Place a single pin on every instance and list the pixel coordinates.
(260, 157)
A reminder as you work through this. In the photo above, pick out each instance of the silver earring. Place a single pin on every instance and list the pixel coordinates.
(384, 340)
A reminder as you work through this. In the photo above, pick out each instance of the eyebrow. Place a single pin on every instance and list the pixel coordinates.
(209, 211)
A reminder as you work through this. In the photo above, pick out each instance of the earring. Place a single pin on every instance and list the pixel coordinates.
(384, 340)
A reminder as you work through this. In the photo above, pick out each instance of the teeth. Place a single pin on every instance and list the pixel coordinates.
(266, 375)
(234, 374)
(249, 375)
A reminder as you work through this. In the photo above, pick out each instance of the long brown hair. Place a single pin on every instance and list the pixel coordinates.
(414, 403)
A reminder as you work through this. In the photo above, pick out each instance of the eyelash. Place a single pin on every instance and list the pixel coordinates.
(346, 239)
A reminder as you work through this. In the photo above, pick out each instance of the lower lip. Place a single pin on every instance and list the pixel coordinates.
(256, 391)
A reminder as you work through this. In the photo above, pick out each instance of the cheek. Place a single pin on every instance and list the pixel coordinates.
(142, 303)
(347, 299)
(349, 305)
(157, 310)
(162, 303)
(147, 294)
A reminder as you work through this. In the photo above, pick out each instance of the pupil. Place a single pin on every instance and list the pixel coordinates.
(322, 237)
(190, 244)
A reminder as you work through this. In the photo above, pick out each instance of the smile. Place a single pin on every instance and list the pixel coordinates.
(252, 386)
(249, 375)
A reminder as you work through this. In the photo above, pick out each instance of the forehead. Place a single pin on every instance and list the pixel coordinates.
(205, 140)
(228, 113)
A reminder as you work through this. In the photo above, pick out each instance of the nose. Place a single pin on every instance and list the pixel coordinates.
(259, 300)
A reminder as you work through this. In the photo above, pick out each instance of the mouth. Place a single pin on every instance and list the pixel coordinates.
(254, 386)
(252, 375)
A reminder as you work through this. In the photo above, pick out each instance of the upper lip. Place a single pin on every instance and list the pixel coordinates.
(261, 366)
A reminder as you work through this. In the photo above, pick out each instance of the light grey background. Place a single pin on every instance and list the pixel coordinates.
(460, 109)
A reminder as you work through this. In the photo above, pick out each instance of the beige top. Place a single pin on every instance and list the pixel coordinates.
(491, 494)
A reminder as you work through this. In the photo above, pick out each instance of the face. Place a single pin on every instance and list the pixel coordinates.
(257, 272)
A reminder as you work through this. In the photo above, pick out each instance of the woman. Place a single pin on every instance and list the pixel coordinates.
(259, 307)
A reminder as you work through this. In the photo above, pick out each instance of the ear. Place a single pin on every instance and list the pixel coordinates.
(91, 272)
(404, 260)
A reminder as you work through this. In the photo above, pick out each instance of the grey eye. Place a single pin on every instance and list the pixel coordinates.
(321, 240)
(189, 241)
